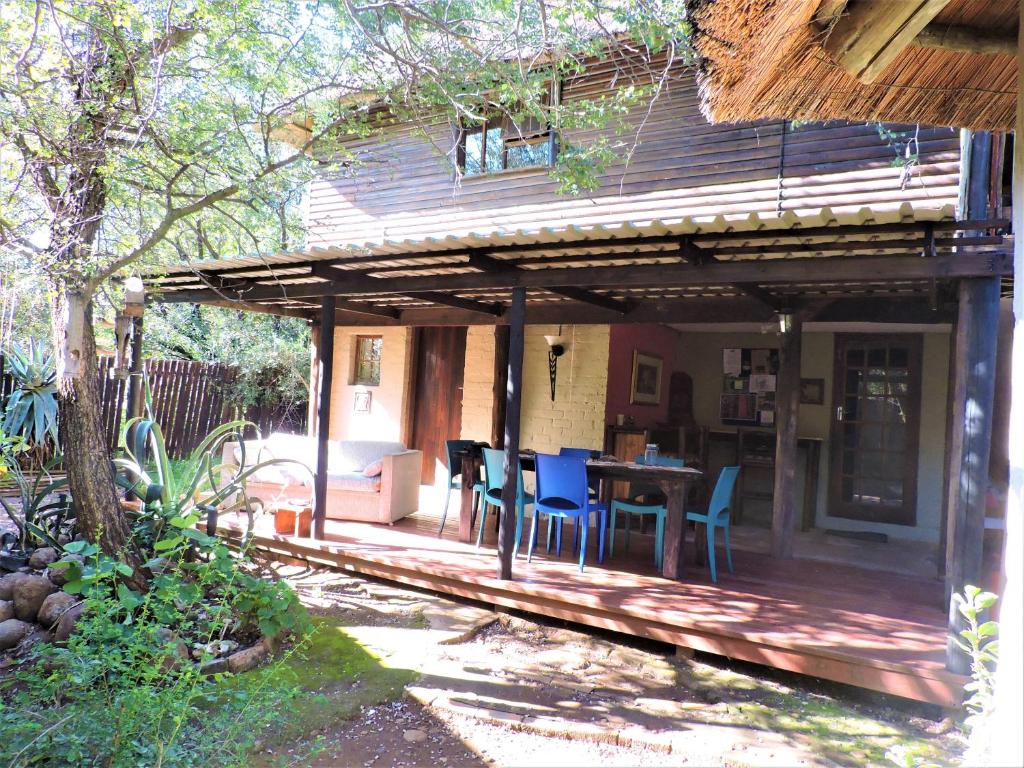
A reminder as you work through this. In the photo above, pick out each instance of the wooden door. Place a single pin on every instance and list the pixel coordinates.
(876, 413)
(437, 393)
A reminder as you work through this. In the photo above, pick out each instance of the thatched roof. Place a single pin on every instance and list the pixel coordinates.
(767, 59)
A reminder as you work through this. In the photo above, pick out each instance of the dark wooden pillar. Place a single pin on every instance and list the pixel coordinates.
(513, 403)
(325, 374)
(972, 376)
(974, 364)
(500, 385)
(787, 411)
(136, 395)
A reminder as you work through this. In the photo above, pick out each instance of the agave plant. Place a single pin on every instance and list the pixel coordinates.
(38, 517)
(31, 410)
(210, 489)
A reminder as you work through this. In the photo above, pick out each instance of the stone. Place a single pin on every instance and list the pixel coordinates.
(67, 622)
(6, 610)
(7, 583)
(59, 576)
(166, 637)
(53, 608)
(29, 594)
(247, 658)
(414, 736)
(12, 631)
(42, 557)
(34, 638)
(213, 667)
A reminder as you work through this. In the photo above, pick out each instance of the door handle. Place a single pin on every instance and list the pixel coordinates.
(839, 413)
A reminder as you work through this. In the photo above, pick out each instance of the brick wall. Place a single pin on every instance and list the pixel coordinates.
(576, 417)
(478, 383)
(388, 405)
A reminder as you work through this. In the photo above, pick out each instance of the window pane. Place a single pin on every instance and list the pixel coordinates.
(367, 363)
(527, 155)
(474, 152)
(493, 159)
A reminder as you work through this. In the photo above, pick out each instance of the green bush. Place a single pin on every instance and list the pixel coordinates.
(121, 693)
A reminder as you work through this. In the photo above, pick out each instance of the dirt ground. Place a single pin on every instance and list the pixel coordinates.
(399, 677)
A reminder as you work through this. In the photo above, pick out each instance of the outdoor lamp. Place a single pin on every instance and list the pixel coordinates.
(124, 324)
(556, 348)
(785, 321)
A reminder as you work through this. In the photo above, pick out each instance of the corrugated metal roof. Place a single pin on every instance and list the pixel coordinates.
(787, 226)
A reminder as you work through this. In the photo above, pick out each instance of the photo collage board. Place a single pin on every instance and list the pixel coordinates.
(748, 386)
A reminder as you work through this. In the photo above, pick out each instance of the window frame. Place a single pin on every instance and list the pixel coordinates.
(358, 347)
(498, 121)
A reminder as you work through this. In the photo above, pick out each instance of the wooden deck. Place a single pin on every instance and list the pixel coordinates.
(838, 622)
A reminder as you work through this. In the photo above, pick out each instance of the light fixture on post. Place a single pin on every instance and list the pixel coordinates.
(125, 325)
(785, 318)
(556, 348)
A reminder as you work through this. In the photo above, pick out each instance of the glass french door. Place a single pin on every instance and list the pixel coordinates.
(876, 413)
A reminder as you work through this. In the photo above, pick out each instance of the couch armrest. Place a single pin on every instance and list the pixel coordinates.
(400, 485)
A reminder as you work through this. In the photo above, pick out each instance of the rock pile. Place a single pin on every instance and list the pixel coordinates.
(33, 608)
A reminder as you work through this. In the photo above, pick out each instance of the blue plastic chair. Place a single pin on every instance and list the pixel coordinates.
(717, 516)
(562, 493)
(494, 475)
(451, 447)
(634, 507)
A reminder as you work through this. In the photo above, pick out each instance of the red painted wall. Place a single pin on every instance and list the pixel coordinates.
(652, 340)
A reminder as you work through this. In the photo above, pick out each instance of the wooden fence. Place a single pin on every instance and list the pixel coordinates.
(189, 398)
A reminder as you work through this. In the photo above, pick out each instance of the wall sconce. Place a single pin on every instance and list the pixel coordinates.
(556, 348)
(124, 324)
(785, 319)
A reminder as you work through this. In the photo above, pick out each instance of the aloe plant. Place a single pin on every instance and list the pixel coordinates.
(31, 409)
(213, 487)
(38, 518)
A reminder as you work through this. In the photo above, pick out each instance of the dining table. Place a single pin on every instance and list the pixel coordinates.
(674, 482)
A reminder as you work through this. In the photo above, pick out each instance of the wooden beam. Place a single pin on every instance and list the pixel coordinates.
(325, 360)
(264, 309)
(787, 411)
(487, 263)
(362, 308)
(870, 34)
(447, 299)
(513, 408)
(591, 298)
(967, 40)
(698, 256)
(834, 270)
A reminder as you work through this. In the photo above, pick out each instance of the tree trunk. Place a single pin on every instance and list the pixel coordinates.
(87, 456)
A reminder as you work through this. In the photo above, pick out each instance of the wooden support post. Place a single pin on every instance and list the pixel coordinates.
(973, 365)
(325, 358)
(787, 411)
(500, 391)
(974, 389)
(513, 403)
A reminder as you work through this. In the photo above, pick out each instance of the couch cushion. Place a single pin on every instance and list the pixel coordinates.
(355, 455)
(352, 481)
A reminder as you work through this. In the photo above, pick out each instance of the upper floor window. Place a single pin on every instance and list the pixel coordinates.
(501, 143)
(367, 363)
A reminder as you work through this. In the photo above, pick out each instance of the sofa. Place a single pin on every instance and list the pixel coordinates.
(372, 481)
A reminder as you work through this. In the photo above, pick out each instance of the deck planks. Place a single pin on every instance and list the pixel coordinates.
(875, 630)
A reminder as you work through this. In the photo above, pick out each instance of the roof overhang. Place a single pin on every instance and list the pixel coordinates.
(685, 270)
(934, 62)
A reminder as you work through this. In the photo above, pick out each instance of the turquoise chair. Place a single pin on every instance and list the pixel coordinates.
(494, 474)
(451, 447)
(635, 507)
(717, 516)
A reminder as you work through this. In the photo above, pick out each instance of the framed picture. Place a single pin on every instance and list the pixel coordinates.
(812, 391)
(646, 387)
(361, 402)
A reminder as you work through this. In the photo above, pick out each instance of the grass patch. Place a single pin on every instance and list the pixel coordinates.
(335, 676)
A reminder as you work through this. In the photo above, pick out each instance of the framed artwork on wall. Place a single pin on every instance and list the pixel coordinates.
(812, 391)
(646, 385)
(361, 402)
